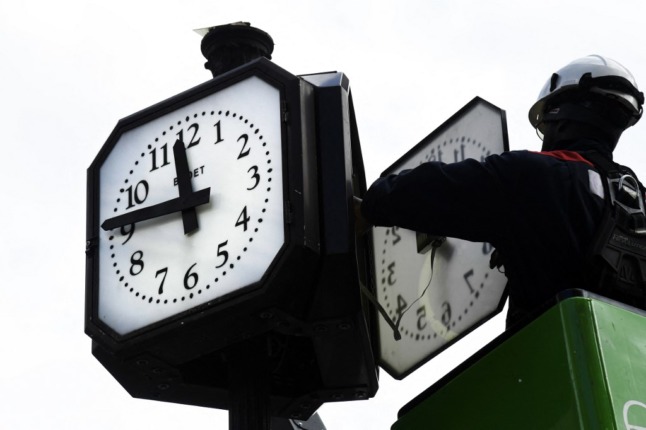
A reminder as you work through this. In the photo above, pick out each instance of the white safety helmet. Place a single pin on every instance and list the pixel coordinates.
(596, 74)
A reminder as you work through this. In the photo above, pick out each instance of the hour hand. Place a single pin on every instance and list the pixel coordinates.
(189, 215)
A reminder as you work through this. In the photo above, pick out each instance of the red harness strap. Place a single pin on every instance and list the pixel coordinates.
(566, 156)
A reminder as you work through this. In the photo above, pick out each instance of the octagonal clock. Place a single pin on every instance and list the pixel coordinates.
(191, 206)
(435, 289)
(187, 203)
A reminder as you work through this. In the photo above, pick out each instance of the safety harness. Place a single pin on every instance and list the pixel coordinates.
(616, 260)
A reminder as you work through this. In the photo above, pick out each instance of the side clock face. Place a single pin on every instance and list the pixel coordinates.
(438, 296)
(191, 206)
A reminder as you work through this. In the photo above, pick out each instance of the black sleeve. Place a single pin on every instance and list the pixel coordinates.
(462, 200)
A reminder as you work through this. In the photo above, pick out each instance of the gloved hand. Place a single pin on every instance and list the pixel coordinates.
(361, 225)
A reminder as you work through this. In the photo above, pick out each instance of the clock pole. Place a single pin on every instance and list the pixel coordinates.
(248, 386)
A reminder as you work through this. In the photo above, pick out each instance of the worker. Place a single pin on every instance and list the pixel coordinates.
(542, 211)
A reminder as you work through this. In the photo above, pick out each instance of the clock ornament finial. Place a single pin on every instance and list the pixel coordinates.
(229, 46)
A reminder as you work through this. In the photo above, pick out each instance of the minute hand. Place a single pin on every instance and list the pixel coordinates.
(170, 206)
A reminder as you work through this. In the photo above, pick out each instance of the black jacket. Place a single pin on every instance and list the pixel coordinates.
(536, 208)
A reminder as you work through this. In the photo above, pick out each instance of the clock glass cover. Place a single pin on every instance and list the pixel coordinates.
(437, 297)
(210, 173)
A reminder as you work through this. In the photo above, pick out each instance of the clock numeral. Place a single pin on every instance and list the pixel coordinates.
(391, 274)
(254, 176)
(446, 314)
(394, 231)
(190, 279)
(127, 230)
(164, 157)
(402, 306)
(137, 263)
(163, 271)
(222, 253)
(195, 127)
(218, 132)
(435, 157)
(137, 195)
(466, 277)
(243, 219)
(458, 153)
(421, 318)
(244, 151)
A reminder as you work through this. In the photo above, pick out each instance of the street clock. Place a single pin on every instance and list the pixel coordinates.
(221, 220)
(437, 289)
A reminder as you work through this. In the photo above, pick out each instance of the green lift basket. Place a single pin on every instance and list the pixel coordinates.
(580, 365)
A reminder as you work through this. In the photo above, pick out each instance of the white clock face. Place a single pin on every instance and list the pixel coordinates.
(149, 267)
(437, 304)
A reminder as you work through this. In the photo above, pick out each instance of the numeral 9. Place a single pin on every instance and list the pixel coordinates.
(128, 230)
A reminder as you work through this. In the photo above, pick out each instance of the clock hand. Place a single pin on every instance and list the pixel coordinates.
(189, 215)
(174, 205)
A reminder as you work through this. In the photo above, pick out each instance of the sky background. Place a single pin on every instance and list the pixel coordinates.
(71, 69)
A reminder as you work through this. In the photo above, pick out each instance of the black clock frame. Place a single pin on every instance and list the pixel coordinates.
(307, 306)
